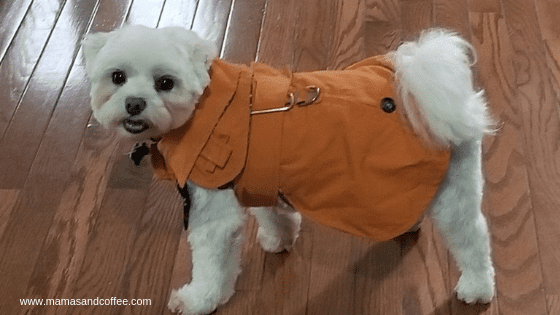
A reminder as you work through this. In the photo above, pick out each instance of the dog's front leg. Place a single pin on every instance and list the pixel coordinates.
(215, 235)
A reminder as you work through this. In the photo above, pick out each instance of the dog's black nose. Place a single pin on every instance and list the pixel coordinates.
(135, 105)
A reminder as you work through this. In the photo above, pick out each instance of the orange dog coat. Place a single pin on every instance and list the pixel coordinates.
(341, 159)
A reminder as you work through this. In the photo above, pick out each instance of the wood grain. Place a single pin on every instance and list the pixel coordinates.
(104, 271)
(151, 262)
(452, 14)
(508, 205)
(285, 283)
(383, 26)
(29, 123)
(178, 13)
(9, 198)
(65, 246)
(539, 106)
(211, 20)
(20, 58)
(243, 30)
(11, 15)
(109, 15)
(276, 42)
(43, 184)
(333, 273)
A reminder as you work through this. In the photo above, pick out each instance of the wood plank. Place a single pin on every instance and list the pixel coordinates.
(110, 15)
(242, 302)
(453, 15)
(146, 12)
(547, 14)
(9, 198)
(109, 249)
(22, 239)
(63, 252)
(276, 42)
(315, 47)
(336, 38)
(285, 281)
(424, 273)
(211, 19)
(11, 15)
(44, 186)
(508, 201)
(178, 13)
(252, 261)
(378, 286)
(417, 15)
(182, 269)
(28, 125)
(383, 26)
(20, 58)
(149, 269)
(334, 41)
(243, 30)
(336, 256)
(485, 6)
(539, 107)
(553, 303)
(347, 44)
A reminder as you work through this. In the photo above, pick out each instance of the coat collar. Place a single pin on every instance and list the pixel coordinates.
(199, 143)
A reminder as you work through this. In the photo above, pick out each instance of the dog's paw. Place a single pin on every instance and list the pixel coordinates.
(271, 242)
(473, 287)
(283, 236)
(188, 301)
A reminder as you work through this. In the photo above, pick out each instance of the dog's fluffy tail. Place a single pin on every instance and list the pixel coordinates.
(436, 85)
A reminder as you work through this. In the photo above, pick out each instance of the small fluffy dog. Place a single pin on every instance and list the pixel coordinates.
(365, 150)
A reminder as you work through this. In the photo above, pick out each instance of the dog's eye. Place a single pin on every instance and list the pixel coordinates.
(119, 77)
(164, 84)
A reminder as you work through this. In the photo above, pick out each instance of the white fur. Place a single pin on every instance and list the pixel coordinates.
(145, 54)
(215, 234)
(440, 102)
(278, 227)
(435, 72)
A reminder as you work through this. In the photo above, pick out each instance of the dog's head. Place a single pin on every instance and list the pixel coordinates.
(146, 82)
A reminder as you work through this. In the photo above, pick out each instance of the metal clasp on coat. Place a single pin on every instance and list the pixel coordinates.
(311, 96)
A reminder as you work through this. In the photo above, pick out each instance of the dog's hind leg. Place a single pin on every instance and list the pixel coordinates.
(435, 81)
(457, 213)
(215, 235)
(278, 226)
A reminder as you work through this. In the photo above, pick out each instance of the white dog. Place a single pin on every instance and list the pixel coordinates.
(150, 83)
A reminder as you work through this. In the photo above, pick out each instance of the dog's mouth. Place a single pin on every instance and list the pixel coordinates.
(135, 126)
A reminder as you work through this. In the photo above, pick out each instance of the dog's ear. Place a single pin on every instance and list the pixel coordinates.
(198, 50)
(91, 45)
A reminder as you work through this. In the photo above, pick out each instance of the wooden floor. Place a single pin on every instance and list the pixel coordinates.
(77, 220)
